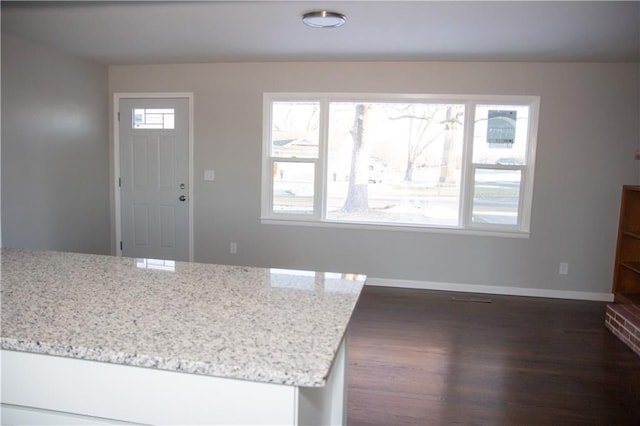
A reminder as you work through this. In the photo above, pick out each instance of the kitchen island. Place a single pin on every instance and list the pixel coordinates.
(99, 339)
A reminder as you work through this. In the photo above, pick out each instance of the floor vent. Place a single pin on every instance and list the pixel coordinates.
(471, 299)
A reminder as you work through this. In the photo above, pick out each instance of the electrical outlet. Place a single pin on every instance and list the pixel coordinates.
(233, 248)
(564, 268)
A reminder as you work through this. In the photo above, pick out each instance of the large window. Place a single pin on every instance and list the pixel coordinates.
(451, 162)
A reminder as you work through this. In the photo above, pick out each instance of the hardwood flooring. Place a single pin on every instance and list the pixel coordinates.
(436, 358)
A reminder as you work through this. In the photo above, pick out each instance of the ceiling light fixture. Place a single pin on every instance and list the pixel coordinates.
(324, 19)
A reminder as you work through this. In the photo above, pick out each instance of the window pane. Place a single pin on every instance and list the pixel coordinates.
(293, 185)
(394, 162)
(501, 134)
(153, 118)
(496, 196)
(294, 129)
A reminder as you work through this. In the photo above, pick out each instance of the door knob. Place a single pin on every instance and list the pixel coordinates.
(182, 198)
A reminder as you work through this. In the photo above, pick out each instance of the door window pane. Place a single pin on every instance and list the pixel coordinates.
(293, 187)
(153, 118)
(496, 196)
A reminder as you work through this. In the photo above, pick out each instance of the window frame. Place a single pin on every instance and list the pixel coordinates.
(465, 225)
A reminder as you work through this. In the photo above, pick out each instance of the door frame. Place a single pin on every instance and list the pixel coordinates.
(116, 159)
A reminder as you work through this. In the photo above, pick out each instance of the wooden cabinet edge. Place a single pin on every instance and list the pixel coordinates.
(622, 293)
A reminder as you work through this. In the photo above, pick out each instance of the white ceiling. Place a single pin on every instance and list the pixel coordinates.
(231, 31)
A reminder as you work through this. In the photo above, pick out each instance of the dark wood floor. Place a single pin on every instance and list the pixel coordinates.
(423, 358)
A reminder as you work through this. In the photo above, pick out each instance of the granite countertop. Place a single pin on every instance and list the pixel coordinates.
(266, 325)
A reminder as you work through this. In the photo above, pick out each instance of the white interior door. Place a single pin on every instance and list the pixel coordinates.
(154, 177)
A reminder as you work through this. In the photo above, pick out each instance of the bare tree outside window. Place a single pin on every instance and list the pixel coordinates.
(451, 124)
(426, 126)
(358, 192)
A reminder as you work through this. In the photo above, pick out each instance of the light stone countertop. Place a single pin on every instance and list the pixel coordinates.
(265, 325)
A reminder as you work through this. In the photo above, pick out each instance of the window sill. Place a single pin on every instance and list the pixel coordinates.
(398, 228)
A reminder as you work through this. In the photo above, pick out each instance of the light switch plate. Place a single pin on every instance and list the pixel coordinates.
(209, 175)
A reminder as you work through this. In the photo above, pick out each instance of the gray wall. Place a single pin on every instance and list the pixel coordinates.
(0, 153)
(588, 131)
(55, 150)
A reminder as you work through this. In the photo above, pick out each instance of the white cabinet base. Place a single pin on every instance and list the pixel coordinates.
(16, 415)
(69, 387)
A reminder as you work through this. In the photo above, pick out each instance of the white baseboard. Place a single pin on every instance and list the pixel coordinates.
(488, 289)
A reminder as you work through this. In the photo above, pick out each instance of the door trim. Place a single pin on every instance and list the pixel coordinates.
(116, 160)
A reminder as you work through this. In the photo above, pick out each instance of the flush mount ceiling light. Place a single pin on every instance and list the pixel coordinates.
(324, 19)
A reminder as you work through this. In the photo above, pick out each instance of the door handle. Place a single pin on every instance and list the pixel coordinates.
(182, 198)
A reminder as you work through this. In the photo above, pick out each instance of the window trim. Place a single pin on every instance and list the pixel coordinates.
(465, 226)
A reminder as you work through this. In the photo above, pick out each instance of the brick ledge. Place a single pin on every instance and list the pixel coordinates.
(624, 322)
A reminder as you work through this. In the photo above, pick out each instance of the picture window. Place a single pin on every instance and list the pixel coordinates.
(400, 161)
